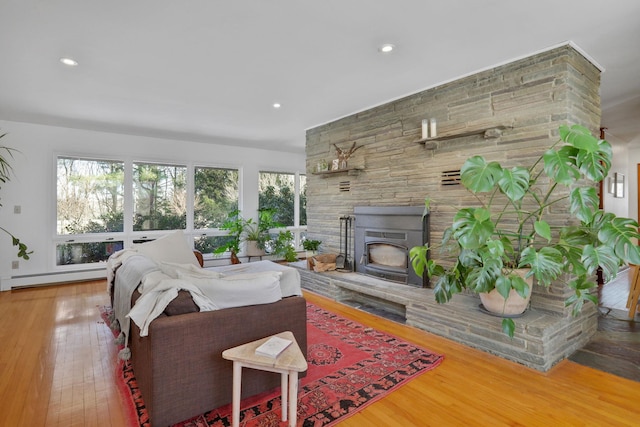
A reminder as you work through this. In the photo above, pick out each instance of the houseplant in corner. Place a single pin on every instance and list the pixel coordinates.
(509, 230)
(5, 175)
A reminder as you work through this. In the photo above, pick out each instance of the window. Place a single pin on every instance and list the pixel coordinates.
(216, 194)
(103, 206)
(159, 197)
(277, 191)
(90, 196)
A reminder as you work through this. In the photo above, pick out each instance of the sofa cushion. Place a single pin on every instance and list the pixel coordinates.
(182, 304)
(170, 248)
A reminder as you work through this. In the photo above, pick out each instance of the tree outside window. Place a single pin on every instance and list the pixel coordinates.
(89, 201)
(216, 194)
(90, 212)
(159, 197)
(277, 191)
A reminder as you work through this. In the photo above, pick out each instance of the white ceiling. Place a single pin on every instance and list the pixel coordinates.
(210, 70)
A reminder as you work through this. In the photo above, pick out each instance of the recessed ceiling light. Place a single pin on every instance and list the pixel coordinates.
(386, 48)
(276, 105)
(69, 61)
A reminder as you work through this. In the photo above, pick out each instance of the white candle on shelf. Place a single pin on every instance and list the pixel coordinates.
(434, 133)
(425, 129)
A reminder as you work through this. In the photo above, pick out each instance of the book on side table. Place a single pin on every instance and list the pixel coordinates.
(273, 347)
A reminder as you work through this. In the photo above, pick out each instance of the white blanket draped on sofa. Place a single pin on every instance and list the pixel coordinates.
(212, 288)
(209, 290)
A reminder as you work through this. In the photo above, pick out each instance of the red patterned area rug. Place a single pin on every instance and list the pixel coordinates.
(350, 367)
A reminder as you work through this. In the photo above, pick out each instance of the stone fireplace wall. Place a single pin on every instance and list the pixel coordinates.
(533, 96)
(510, 113)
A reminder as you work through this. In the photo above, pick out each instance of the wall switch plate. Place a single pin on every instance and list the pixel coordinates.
(17, 209)
(15, 265)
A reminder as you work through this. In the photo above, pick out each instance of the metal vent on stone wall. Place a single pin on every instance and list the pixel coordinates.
(344, 186)
(450, 177)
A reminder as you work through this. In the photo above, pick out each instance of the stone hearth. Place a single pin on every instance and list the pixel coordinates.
(542, 339)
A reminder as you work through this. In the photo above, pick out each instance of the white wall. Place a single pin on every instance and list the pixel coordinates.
(32, 186)
(626, 157)
(620, 164)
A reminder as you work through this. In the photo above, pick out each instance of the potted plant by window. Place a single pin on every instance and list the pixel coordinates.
(247, 230)
(283, 246)
(257, 234)
(236, 226)
(5, 175)
(311, 246)
(509, 231)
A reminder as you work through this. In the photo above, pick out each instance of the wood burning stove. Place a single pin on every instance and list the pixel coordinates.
(384, 235)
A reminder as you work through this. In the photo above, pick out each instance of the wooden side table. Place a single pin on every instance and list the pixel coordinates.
(287, 364)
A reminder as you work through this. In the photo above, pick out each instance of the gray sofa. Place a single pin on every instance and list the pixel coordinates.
(178, 366)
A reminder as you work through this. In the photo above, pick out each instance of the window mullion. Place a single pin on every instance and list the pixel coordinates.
(128, 203)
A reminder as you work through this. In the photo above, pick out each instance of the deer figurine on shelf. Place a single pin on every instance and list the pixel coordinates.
(344, 155)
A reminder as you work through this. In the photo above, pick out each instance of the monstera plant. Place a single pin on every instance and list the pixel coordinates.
(6, 170)
(509, 228)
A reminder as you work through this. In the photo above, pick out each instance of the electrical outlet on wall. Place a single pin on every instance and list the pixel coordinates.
(15, 265)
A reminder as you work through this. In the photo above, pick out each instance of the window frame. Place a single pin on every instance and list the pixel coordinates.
(128, 236)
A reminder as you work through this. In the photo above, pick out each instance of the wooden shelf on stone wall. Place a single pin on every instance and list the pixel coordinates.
(349, 171)
(487, 132)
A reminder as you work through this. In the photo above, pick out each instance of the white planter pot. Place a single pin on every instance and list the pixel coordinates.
(515, 305)
(253, 249)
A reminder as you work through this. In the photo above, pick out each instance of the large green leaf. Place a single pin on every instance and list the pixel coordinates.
(469, 258)
(508, 326)
(503, 286)
(595, 165)
(483, 278)
(621, 234)
(560, 165)
(543, 229)
(546, 264)
(584, 201)
(603, 257)
(594, 155)
(446, 286)
(582, 287)
(418, 257)
(579, 137)
(600, 219)
(570, 244)
(520, 285)
(479, 176)
(514, 182)
(496, 248)
(472, 227)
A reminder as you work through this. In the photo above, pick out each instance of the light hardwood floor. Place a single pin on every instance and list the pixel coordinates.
(57, 368)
